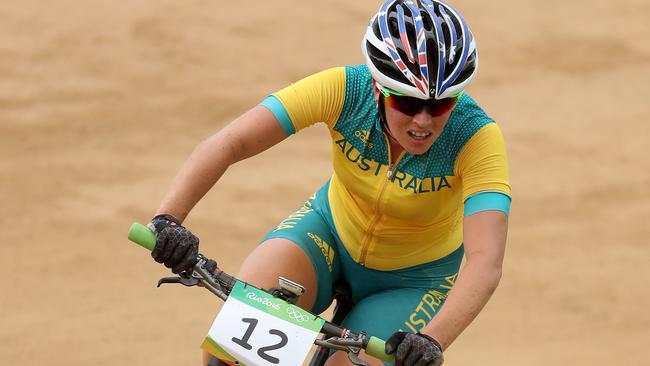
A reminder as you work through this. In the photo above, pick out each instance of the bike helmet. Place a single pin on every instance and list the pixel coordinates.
(423, 50)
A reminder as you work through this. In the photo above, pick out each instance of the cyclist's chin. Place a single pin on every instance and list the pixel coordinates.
(418, 147)
(417, 151)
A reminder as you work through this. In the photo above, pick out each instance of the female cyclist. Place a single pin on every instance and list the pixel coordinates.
(420, 179)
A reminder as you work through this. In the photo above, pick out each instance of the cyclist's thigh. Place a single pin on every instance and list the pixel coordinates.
(405, 299)
(280, 257)
(273, 258)
(303, 249)
(385, 312)
(388, 311)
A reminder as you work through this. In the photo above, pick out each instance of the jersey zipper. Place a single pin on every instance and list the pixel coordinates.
(390, 176)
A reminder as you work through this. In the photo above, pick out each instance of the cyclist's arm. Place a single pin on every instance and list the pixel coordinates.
(483, 167)
(316, 98)
(485, 239)
(246, 136)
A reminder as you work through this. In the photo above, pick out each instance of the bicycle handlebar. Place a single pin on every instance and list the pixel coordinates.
(141, 235)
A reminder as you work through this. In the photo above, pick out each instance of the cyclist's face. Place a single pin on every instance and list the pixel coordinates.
(417, 133)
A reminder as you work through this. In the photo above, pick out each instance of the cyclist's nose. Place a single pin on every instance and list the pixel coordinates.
(423, 118)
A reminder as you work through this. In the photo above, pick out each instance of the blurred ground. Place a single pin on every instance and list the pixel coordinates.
(100, 103)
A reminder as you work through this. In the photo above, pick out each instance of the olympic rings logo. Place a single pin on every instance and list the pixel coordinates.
(294, 314)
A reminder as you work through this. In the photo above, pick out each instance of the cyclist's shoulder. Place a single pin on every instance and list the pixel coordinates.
(357, 71)
(468, 118)
(354, 76)
(467, 125)
(468, 109)
(357, 77)
(348, 80)
(358, 104)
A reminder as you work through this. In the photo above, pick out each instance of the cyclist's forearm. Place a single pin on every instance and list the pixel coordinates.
(485, 235)
(472, 290)
(198, 174)
(248, 135)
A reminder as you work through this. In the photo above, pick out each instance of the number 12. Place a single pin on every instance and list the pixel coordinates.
(252, 323)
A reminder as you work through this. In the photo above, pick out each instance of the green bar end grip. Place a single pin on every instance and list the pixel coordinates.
(141, 235)
(376, 348)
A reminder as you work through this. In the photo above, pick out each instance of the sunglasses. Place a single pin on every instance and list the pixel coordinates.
(412, 106)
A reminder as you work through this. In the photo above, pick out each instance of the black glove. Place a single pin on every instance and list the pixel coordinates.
(176, 246)
(414, 349)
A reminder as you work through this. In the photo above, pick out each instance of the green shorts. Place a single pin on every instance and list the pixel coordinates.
(384, 301)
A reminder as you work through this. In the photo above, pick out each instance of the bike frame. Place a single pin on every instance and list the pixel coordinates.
(207, 274)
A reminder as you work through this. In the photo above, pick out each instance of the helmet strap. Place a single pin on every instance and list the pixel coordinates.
(382, 117)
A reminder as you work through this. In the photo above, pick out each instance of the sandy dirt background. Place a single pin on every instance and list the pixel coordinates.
(100, 102)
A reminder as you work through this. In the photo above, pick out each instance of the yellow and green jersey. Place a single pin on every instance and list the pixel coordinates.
(392, 216)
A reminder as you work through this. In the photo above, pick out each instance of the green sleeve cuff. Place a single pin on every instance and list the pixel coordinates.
(487, 201)
(275, 106)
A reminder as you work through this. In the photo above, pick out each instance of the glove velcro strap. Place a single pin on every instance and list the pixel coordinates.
(436, 343)
(167, 217)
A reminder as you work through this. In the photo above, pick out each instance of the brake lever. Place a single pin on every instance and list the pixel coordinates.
(349, 345)
(185, 281)
(195, 278)
(200, 277)
(352, 347)
(353, 356)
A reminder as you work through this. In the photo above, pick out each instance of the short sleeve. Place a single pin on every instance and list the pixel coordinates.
(316, 98)
(482, 164)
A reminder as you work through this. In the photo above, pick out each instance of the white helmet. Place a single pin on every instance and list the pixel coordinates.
(425, 51)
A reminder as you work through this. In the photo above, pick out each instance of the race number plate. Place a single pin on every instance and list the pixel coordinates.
(255, 328)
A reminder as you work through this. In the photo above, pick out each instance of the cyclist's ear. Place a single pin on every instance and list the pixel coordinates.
(375, 91)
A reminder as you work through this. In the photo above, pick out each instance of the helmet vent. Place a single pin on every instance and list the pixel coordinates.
(403, 31)
(385, 63)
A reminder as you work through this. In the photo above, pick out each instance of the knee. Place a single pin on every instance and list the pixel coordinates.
(209, 360)
(205, 358)
(280, 257)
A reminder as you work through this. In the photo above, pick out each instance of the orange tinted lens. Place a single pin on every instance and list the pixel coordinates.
(411, 106)
(407, 105)
(442, 106)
